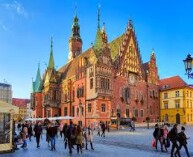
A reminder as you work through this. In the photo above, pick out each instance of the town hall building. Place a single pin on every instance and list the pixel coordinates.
(108, 82)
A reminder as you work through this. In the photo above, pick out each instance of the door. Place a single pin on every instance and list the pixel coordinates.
(178, 118)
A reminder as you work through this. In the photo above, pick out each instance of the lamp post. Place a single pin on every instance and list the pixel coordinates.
(188, 65)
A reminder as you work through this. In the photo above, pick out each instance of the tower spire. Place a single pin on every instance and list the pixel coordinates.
(75, 9)
(99, 16)
(75, 41)
(36, 85)
(51, 60)
(98, 40)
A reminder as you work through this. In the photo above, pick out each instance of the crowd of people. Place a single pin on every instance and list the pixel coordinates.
(72, 134)
(164, 137)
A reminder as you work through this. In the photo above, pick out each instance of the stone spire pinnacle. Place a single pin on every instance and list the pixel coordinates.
(51, 60)
(99, 16)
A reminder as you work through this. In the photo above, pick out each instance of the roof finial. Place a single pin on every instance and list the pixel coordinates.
(130, 25)
(39, 64)
(99, 16)
(51, 43)
(103, 26)
(75, 9)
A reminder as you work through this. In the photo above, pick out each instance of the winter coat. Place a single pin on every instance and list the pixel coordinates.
(24, 133)
(79, 138)
(52, 131)
(173, 134)
(37, 129)
(89, 135)
(182, 138)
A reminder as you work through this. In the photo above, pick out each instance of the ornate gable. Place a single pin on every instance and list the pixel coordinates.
(129, 59)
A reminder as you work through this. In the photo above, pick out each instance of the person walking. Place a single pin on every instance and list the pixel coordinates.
(132, 125)
(38, 132)
(65, 131)
(183, 141)
(99, 130)
(163, 137)
(166, 140)
(103, 129)
(173, 136)
(47, 134)
(24, 134)
(30, 131)
(61, 129)
(79, 139)
(52, 131)
(89, 138)
(158, 134)
(71, 137)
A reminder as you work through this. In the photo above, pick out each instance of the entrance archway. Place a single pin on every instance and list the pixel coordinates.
(178, 118)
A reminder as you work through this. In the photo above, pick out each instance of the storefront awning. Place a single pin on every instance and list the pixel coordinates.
(8, 108)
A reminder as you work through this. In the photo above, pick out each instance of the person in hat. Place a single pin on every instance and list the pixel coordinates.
(183, 140)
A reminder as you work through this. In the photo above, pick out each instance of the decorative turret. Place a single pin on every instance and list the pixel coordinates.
(51, 60)
(75, 41)
(104, 35)
(36, 86)
(153, 71)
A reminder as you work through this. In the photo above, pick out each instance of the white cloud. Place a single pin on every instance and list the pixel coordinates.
(4, 28)
(17, 8)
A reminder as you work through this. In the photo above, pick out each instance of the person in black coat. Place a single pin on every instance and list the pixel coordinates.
(158, 134)
(173, 136)
(183, 140)
(30, 131)
(38, 132)
(52, 132)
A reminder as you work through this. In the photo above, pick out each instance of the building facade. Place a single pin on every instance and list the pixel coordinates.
(176, 101)
(107, 82)
(22, 104)
(5, 92)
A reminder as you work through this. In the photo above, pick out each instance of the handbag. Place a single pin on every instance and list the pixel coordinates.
(82, 144)
(153, 143)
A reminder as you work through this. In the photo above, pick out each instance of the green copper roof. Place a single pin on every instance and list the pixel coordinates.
(51, 60)
(98, 41)
(115, 45)
(36, 85)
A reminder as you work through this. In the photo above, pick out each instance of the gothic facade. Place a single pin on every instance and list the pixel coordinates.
(107, 82)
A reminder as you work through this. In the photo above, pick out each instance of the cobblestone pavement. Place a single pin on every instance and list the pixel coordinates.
(116, 143)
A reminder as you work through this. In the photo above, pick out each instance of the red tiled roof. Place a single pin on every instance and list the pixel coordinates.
(172, 83)
(20, 102)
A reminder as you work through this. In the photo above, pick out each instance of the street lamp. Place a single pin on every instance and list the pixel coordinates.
(188, 65)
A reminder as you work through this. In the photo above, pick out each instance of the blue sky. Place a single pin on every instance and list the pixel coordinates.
(26, 27)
